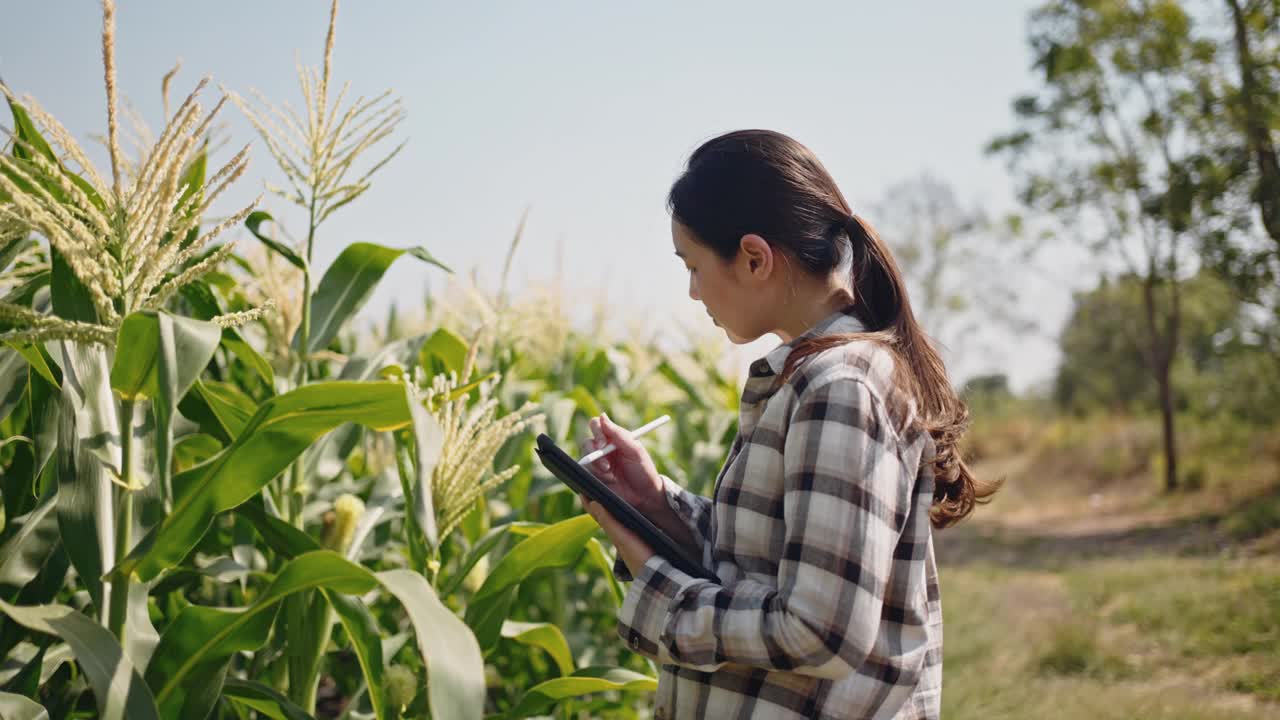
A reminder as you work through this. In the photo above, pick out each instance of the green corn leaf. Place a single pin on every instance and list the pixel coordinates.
(254, 223)
(449, 349)
(601, 558)
(11, 247)
(158, 357)
(277, 434)
(45, 407)
(145, 338)
(25, 292)
(264, 699)
(459, 685)
(586, 404)
(201, 640)
(13, 380)
(206, 307)
(540, 698)
(27, 680)
(46, 585)
(557, 546)
(199, 643)
(40, 362)
(545, 636)
(345, 287)
(593, 374)
(228, 404)
(483, 547)
(669, 371)
(428, 439)
(116, 685)
(27, 132)
(455, 665)
(367, 642)
(279, 535)
(18, 707)
(361, 367)
(32, 539)
(88, 454)
(193, 449)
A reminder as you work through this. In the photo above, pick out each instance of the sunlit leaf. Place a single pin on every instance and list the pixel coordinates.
(545, 636)
(116, 685)
(277, 434)
(345, 287)
(542, 697)
(557, 546)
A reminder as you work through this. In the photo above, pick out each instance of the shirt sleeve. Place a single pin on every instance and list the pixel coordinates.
(845, 502)
(693, 510)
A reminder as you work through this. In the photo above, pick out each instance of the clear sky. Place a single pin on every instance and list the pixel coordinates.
(582, 111)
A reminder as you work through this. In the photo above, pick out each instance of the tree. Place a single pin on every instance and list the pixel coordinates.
(1111, 147)
(1236, 116)
(1255, 27)
(1217, 370)
(950, 255)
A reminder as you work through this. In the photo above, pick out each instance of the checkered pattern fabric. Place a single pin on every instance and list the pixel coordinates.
(827, 604)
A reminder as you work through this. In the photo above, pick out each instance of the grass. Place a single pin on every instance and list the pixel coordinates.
(1084, 591)
(1163, 637)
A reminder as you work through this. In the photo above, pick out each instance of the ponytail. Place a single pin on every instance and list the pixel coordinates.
(882, 305)
(763, 182)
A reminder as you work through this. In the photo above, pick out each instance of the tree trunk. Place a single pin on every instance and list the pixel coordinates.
(1160, 357)
(1166, 427)
(1257, 130)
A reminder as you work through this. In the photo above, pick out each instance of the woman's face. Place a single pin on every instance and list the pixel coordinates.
(725, 289)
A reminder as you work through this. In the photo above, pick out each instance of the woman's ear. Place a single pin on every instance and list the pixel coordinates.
(756, 256)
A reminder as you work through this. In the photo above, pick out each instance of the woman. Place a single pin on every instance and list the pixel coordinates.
(827, 604)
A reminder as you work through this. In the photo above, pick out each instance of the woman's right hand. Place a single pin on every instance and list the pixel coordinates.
(628, 471)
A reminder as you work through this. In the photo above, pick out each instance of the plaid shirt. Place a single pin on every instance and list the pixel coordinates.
(828, 603)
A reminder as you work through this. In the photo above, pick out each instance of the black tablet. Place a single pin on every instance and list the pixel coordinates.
(583, 482)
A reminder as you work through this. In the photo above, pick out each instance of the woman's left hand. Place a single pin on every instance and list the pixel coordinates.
(633, 551)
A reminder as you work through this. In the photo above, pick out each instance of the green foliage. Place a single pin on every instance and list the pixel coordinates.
(240, 531)
(1220, 369)
(346, 286)
(119, 690)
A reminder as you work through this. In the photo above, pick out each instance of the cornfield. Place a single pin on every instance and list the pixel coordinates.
(221, 499)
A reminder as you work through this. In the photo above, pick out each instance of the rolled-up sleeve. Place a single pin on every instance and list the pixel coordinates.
(845, 500)
(692, 510)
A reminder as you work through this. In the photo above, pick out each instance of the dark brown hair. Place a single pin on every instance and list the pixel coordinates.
(763, 182)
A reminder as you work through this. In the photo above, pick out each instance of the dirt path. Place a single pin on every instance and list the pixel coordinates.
(1032, 526)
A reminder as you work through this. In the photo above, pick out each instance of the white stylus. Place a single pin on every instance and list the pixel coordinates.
(597, 454)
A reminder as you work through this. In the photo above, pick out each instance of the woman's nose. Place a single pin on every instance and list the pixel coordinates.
(693, 289)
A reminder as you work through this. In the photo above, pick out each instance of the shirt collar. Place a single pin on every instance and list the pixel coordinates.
(840, 322)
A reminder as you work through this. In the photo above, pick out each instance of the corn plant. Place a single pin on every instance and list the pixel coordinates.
(191, 529)
(213, 509)
(107, 393)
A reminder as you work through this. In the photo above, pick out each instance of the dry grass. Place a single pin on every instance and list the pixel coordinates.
(1084, 591)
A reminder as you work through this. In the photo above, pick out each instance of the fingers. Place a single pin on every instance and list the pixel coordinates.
(620, 437)
(599, 514)
(598, 440)
(597, 431)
